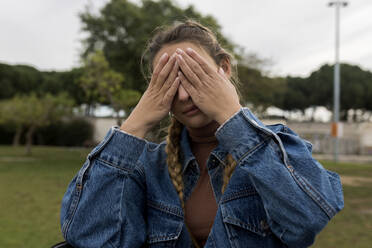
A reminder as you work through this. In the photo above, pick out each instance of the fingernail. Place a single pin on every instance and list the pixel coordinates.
(189, 49)
(179, 51)
(164, 56)
(179, 57)
(222, 71)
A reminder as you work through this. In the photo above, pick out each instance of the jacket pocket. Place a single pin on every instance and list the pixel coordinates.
(244, 218)
(164, 224)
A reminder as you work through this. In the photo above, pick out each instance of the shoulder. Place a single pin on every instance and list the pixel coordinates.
(153, 155)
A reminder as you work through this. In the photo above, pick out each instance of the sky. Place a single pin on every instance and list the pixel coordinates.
(296, 36)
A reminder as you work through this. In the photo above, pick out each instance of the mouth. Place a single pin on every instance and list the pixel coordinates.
(190, 111)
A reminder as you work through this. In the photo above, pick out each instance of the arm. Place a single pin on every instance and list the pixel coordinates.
(104, 204)
(298, 194)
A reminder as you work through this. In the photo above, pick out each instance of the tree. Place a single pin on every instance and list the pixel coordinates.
(355, 93)
(13, 115)
(122, 29)
(19, 79)
(124, 100)
(31, 112)
(101, 84)
(258, 90)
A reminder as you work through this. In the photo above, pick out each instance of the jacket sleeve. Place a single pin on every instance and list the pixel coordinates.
(298, 194)
(104, 204)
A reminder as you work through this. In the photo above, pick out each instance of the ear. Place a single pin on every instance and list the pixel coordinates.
(226, 66)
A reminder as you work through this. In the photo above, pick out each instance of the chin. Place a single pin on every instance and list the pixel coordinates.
(194, 121)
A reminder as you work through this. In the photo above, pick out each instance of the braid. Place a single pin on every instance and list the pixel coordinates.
(173, 154)
(174, 166)
(229, 169)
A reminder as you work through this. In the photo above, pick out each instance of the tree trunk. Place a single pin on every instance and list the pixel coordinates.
(29, 135)
(17, 136)
(118, 120)
(313, 114)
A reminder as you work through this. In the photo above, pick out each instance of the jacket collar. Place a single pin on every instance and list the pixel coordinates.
(187, 156)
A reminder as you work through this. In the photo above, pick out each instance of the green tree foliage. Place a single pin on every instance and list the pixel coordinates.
(30, 112)
(259, 91)
(19, 79)
(356, 88)
(296, 96)
(101, 84)
(98, 81)
(122, 29)
(125, 100)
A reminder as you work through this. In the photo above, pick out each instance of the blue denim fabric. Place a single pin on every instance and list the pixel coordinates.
(278, 195)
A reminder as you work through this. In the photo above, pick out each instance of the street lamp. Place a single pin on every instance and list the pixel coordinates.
(336, 86)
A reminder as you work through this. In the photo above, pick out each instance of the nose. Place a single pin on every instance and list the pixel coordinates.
(182, 94)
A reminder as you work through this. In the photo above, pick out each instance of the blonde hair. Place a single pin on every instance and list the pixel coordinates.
(173, 151)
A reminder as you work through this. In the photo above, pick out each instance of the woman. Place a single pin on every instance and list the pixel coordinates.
(221, 179)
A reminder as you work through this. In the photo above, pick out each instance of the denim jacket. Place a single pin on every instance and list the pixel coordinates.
(278, 195)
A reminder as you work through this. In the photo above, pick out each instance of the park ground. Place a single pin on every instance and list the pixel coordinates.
(31, 189)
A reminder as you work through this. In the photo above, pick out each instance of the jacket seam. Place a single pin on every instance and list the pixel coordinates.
(245, 192)
(164, 208)
(250, 151)
(113, 165)
(120, 209)
(79, 187)
(312, 193)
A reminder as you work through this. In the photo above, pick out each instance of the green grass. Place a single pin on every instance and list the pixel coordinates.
(31, 189)
(352, 227)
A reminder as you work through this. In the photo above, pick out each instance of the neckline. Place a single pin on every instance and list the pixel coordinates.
(204, 135)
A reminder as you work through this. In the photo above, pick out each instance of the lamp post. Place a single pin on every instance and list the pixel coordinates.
(336, 85)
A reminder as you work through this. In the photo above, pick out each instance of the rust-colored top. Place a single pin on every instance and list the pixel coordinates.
(201, 207)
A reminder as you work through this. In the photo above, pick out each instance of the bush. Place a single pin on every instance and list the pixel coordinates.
(6, 135)
(74, 132)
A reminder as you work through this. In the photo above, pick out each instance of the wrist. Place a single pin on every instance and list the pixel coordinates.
(224, 116)
(135, 128)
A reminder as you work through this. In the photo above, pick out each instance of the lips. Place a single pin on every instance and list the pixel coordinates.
(189, 109)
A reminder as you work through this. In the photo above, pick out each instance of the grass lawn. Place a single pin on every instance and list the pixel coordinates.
(31, 189)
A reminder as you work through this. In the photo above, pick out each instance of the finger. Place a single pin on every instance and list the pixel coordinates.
(190, 89)
(169, 95)
(194, 66)
(200, 60)
(162, 61)
(221, 72)
(164, 73)
(172, 76)
(187, 71)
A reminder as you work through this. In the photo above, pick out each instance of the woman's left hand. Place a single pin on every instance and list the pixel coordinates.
(211, 91)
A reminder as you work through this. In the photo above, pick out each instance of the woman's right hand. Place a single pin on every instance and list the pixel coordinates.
(156, 102)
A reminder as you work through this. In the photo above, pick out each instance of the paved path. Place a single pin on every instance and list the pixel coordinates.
(346, 158)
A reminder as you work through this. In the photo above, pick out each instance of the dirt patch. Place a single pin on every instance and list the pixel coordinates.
(365, 211)
(355, 181)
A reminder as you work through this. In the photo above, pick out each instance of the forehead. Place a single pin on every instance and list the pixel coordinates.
(171, 49)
